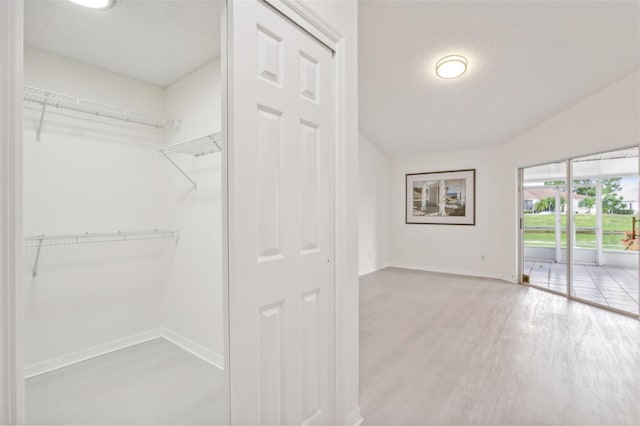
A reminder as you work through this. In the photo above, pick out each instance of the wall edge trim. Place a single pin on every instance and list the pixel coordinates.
(450, 271)
(355, 418)
(196, 349)
(65, 360)
(71, 358)
(375, 269)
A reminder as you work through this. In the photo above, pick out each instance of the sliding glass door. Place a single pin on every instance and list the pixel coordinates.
(579, 228)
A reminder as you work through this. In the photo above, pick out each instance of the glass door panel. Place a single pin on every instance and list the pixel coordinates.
(544, 236)
(604, 257)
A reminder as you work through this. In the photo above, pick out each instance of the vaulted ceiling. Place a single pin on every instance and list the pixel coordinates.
(528, 60)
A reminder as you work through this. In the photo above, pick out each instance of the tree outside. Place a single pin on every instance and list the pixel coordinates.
(617, 216)
(612, 201)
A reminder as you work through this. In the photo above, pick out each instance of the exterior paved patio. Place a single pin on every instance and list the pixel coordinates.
(612, 286)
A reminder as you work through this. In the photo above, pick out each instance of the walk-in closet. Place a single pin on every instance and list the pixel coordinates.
(123, 233)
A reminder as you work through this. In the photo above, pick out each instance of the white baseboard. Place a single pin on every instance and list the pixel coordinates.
(194, 348)
(453, 271)
(355, 418)
(66, 360)
(376, 269)
(91, 352)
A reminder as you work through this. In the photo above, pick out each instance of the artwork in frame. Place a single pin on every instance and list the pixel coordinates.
(441, 198)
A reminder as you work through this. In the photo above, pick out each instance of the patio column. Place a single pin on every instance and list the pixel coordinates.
(558, 226)
(442, 203)
(599, 254)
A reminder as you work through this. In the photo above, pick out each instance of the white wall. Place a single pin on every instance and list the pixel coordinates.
(373, 227)
(90, 175)
(450, 248)
(605, 121)
(193, 301)
(98, 175)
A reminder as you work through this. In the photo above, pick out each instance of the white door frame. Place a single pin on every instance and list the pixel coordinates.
(11, 64)
(11, 211)
(306, 18)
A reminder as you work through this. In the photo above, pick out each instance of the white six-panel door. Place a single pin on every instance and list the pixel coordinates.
(281, 274)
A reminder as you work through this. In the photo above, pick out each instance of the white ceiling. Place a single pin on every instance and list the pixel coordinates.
(156, 41)
(527, 62)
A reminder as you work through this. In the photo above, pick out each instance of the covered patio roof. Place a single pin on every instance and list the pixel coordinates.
(610, 164)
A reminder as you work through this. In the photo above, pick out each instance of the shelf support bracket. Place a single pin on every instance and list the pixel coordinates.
(35, 263)
(39, 131)
(195, 185)
(216, 144)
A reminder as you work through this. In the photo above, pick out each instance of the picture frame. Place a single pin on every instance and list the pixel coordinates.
(441, 198)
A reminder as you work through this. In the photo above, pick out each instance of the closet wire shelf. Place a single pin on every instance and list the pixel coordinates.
(48, 98)
(198, 147)
(40, 241)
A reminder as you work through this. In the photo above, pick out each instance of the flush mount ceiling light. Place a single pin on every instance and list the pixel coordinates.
(451, 66)
(95, 4)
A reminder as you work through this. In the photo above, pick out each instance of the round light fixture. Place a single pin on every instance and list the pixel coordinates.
(451, 66)
(95, 4)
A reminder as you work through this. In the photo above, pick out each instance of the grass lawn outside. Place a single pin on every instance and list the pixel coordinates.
(614, 227)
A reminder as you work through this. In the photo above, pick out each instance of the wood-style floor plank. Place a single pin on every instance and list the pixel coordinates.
(153, 383)
(439, 349)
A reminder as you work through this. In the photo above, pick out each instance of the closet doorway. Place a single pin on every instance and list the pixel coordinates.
(124, 296)
(579, 229)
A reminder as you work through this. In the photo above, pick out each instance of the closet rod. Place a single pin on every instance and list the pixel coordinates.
(43, 240)
(48, 98)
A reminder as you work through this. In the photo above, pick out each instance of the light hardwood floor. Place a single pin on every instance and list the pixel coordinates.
(153, 383)
(439, 349)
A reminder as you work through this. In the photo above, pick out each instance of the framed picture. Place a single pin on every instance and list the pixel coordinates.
(441, 198)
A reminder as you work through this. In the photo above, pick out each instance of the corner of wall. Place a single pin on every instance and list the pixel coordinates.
(373, 207)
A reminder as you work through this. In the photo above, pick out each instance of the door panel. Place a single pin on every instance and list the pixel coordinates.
(544, 234)
(281, 221)
(605, 238)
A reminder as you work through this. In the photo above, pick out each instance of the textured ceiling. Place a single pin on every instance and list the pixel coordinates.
(157, 41)
(527, 62)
